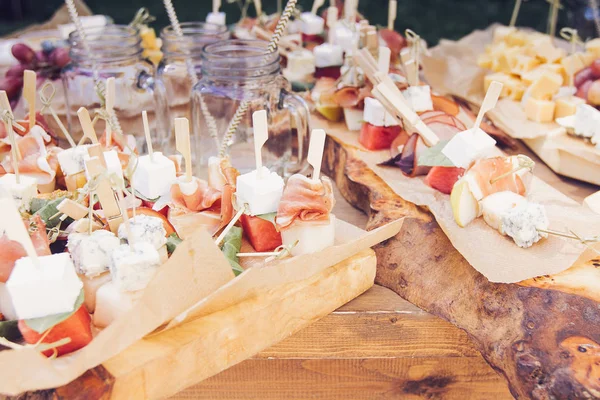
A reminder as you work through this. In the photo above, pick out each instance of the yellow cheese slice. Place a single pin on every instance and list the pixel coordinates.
(524, 64)
(593, 46)
(539, 110)
(572, 64)
(485, 61)
(546, 86)
(501, 32)
(543, 49)
(566, 106)
(512, 87)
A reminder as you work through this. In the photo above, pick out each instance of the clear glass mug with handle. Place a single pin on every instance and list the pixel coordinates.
(236, 71)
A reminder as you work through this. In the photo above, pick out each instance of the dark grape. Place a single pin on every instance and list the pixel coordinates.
(60, 57)
(16, 71)
(23, 53)
(583, 90)
(12, 86)
(47, 46)
(596, 69)
(41, 56)
(583, 76)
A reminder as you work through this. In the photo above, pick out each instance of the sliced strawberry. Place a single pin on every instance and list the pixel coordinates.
(443, 178)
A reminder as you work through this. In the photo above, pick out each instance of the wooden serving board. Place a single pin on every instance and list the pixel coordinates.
(163, 364)
(542, 335)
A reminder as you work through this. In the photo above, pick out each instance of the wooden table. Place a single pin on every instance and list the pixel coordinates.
(377, 346)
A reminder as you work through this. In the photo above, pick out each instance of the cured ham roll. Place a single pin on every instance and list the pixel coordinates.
(304, 215)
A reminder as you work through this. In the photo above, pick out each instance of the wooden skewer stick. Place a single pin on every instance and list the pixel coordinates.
(46, 99)
(110, 105)
(106, 195)
(12, 226)
(315, 151)
(350, 7)
(383, 62)
(261, 134)
(258, 7)
(147, 135)
(216, 4)
(86, 125)
(392, 11)
(29, 90)
(230, 225)
(332, 17)
(5, 107)
(489, 102)
(316, 5)
(515, 13)
(182, 137)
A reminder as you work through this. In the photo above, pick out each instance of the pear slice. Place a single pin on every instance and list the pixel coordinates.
(464, 205)
(332, 113)
(496, 205)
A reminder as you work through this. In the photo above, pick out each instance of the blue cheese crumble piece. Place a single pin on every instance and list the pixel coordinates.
(132, 267)
(522, 223)
(72, 161)
(91, 253)
(144, 228)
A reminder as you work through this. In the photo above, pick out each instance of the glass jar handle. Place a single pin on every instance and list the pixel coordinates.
(162, 133)
(300, 114)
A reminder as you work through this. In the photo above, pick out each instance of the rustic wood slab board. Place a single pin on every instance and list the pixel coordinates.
(542, 335)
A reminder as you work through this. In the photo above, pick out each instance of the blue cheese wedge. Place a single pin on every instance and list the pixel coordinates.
(72, 161)
(419, 98)
(522, 224)
(133, 267)
(585, 123)
(22, 192)
(147, 229)
(91, 253)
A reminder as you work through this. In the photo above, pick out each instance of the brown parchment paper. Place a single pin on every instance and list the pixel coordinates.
(194, 271)
(350, 240)
(493, 255)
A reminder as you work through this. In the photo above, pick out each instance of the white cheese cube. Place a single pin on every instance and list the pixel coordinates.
(376, 114)
(217, 18)
(353, 118)
(22, 192)
(47, 289)
(466, 146)
(328, 55)
(72, 161)
(133, 267)
(312, 24)
(91, 253)
(111, 303)
(261, 194)
(6, 307)
(587, 121)
(153, 177)
(113, 164)
(419, 98)
(497, 204)
(147, 229)
(90, 288)
(311, 236)
(522, 222)
(300, 64)
(344, 37)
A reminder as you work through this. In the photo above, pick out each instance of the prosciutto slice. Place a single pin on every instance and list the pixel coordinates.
(305, 200)
(488, 170)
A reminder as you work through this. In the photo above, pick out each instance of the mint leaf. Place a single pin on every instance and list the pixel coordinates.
(42, 324)
(10, 330)
(231, 246)
(268, 217)
(172, 242)
(433, 156)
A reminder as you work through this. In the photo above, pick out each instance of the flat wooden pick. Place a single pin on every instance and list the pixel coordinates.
(384, 59)
(12, 225)
(95, 150)
(261, 134)
(147, 134)
(392, 10)
(14, 149)
(72, 209)
(489, 102)
(316, 5)
(216, 5)
(106, 194)
(110, 105)
(182, 137)
(332, 17)
(315, 151)
(258, 7)
(86, 124)
(29, 90)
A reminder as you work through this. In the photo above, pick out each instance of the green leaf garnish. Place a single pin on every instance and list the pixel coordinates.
(42, 324)
(172, 242)
(433, 156)
(232, 243)
(268, 217)
(49, 210)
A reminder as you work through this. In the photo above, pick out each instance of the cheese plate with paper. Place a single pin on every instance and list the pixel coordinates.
(549, 95)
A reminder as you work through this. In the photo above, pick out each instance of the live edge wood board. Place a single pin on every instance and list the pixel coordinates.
(542, 335)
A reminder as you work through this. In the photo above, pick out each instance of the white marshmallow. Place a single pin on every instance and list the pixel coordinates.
(262, 195)
(328, 55)
(111, 303)
(91, 253)
(467, 146)
(419, 98)
(376, 114)
(22, 192)
(217, 18)
(312, 24)
(47, 289)
(154, 177)
(72, 161)
(147, 229)
(90, 288)
(133, 267)
(311, 236)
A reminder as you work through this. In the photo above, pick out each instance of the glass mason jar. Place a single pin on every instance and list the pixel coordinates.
(117, 53)
(234, 71)
(172, 77)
